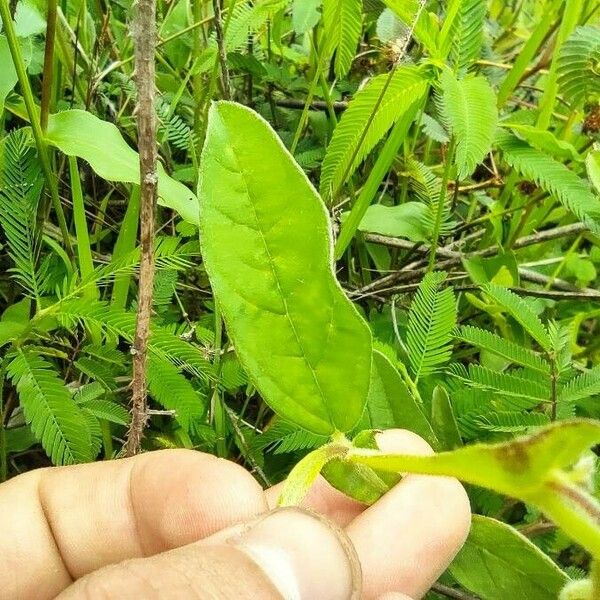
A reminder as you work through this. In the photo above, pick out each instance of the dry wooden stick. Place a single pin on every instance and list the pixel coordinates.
(144, 35)
(453, 257)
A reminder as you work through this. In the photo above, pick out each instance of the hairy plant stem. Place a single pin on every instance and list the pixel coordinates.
(144, 35)
(437, 227)
(32, 112)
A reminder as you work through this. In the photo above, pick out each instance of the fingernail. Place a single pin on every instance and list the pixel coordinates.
(305, 556)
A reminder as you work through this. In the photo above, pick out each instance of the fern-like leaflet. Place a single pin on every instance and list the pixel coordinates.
(50, 410)
(431, 319)
(486, 340)
(578, 70)
(428, 188)
(283, 437)
(467, 33)
(342, 20)
(553, 177)
(511, 422)
(521, 312)
(468, 111)
(581, 387)
(366, 121)
(247, 18)
(21, 184)
(163, 343)
(170, 388)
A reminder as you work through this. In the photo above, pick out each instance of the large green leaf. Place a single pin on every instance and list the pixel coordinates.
(80, 133)
(497, 563)
(266, 243)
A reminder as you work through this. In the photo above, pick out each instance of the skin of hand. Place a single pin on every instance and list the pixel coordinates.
(179, 524)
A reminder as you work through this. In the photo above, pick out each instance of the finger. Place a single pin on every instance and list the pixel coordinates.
(59, 524)
(408, 538)
(324, 499)
(286, 554)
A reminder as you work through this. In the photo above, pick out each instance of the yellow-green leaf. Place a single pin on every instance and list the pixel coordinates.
(267, 248)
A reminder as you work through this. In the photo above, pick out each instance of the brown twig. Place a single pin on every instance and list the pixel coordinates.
(416, 270)
(321, 105)
(144, 34)
(536, 529)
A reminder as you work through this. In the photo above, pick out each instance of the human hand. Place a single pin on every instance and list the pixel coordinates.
(180, 524)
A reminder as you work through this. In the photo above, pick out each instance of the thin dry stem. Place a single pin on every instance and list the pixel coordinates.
(144, 34)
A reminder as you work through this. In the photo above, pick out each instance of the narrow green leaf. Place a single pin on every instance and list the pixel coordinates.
(407, 220)
(427, 28)
(266, 243)
(592, 164)
(8, 75)
(305, 14)
(444, 420)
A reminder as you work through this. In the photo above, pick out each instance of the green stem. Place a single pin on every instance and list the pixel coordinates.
(19, 63)
(569, 506)
(568, 23)
(84, 249)
(595, 577)
(107, 440)
(378, 172)
(311, 93)
(527, 53)
(217, 409)
(437, 227)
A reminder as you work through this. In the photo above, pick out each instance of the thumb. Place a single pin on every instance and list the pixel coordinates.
(287, 554)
